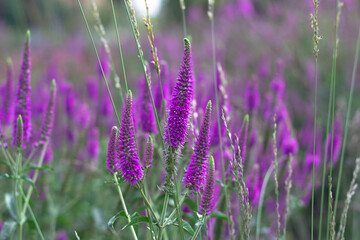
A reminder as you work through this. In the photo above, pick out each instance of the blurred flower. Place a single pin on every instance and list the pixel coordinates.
(23, 100)
(207, 199)
(111, 157)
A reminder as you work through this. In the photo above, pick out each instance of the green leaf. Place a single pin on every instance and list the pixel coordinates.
(114, 218)
(8, 230)
(219, 215)
(136, 220)
(187, 227)
(35, 167)
(10, 204)
(28, 180)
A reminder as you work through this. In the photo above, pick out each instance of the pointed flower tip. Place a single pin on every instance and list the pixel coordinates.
(209, 105)
(187, 43)
(53, 85)
(246, 118)
(19, 132)
(8, 61)
(28, 36)
(111, 156)
(211, 163)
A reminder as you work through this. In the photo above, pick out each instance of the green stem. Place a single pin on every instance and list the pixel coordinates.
(261, 201)
(97, 56)
(162, 225)
(227, 202)
(174, 211)
(176, 198)
(17, 192)
(33, 217)
(183, 18)
(158, 125)
(147, 202)
(199, 227)
(314, 151)
(338, 185)
(119, 43)
(124, 206)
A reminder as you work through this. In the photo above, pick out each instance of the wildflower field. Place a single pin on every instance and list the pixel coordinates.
(179, 119)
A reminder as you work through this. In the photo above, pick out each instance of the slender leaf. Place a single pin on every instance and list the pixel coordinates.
(187, 227)
(10, 204)
(8, 230)
(136, 220)
(114, 218)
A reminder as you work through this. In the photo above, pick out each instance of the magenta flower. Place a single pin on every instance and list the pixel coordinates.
(195, 173)
(147, 117)
(23, 100)
(111, 157)
(47, 125)
(7, 110)
(130, 166)
(180, 104)
(149, 153)
(252, 95)
(207, 199)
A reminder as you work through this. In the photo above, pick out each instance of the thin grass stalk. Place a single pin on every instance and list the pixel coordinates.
(338, 185)
(331, 100)
(97, 56)
(261, 200)
(276, 164)
(137, 41)
(211, 18)
(339, 5)
(316, 38)
(124, 206)
(101, 31)
(36, 174)
(349, 195)
(237, 169)
(183, 8)
(288, 185)
(119, 44)
(331, 213)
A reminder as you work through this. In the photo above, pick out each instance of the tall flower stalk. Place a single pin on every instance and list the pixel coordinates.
(23, 98)
(129, 163)
(195, 174)
(47, 125)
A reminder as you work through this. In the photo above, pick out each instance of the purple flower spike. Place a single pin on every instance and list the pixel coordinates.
(147, 118)
(7, 111)
(48, 120)
(111, 158)
(149, 153)
(128, 158)
(23, 104)
(19, 133)
(195, 174)
(207, 199)
(180, 104)
(93, 144)
(252, 95)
